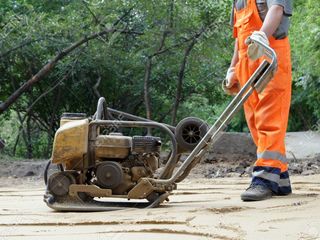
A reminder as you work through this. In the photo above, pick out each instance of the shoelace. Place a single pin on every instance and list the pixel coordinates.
(255, 186)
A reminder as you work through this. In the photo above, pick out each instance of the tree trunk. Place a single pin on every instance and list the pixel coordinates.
(29, 139)
(146, 87)
(180, 81)
(16, 142)
(25, 134)
(52, 121)
(193, 39)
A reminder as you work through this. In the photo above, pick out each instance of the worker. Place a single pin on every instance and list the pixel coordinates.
(266, 112)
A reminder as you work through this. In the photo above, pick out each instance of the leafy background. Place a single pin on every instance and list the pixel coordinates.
(32, 32)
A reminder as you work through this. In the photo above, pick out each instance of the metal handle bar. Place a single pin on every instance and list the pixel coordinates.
(268, 51)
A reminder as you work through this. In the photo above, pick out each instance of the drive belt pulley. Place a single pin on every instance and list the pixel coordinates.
(59, 183)
(109, 174)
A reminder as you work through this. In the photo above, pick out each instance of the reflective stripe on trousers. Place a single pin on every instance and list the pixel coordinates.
(272, 159)
(272, 155)
(272, 178)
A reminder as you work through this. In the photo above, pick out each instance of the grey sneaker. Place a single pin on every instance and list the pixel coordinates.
(256, 193)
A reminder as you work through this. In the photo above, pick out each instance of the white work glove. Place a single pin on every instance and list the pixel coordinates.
(256, 51)
(230, 84)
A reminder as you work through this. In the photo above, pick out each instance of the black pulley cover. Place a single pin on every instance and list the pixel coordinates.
(109, 174)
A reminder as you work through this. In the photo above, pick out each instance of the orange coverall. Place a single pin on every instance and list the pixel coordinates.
(267, 112)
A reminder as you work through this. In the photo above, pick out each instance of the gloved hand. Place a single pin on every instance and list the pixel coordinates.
(255, 51)
(230, 84)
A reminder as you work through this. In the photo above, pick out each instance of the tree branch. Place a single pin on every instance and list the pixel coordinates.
(95, 87)
(97, 21)
(46, 69)
(23, 44)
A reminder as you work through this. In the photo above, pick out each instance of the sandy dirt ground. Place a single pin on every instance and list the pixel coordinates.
(199, 209)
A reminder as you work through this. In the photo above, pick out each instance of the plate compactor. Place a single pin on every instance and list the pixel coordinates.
(101, 168)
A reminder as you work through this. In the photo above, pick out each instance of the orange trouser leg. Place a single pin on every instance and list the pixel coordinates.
(267, 118)
(249, 110)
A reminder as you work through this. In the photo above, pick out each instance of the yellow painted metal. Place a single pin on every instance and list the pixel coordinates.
(71, 143)
(63, 121)
(108, 146)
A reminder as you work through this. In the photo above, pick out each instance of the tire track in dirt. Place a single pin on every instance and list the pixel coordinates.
(144, 222)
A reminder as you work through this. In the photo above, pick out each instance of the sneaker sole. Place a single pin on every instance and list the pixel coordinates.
(253, 198)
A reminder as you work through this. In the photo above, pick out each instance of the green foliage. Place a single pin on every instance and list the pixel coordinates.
(305, 40)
